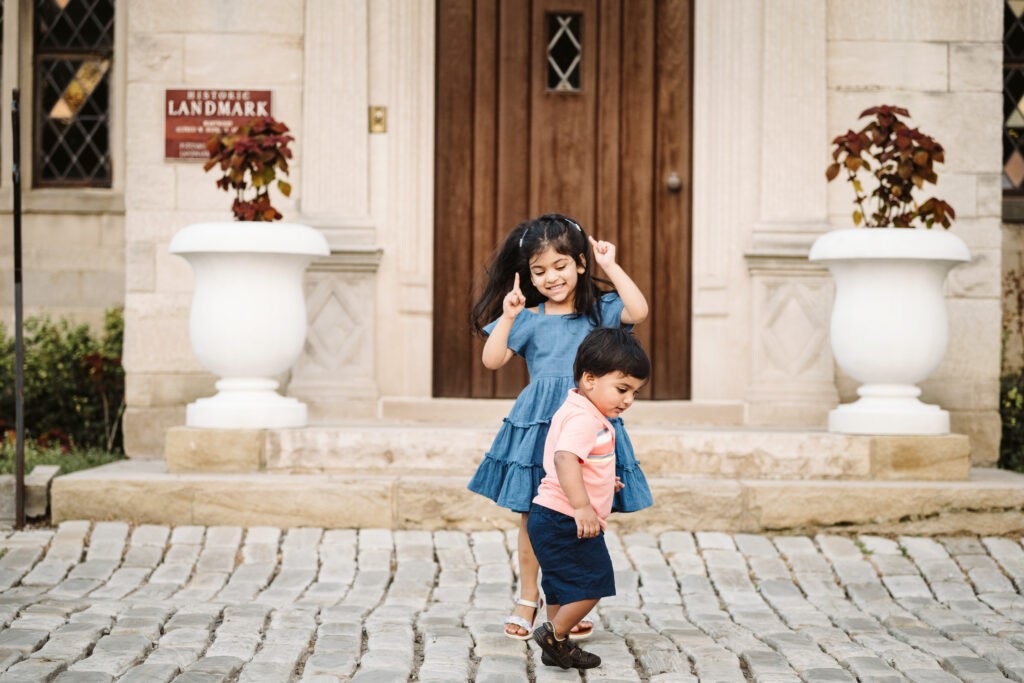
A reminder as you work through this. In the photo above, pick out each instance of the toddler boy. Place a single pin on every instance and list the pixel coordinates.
(567, 519)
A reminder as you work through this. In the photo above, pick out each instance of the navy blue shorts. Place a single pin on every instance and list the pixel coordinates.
(572, 569)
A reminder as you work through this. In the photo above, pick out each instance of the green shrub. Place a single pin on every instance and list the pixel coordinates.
(1011, 410)
(74, 383)
(69, 460)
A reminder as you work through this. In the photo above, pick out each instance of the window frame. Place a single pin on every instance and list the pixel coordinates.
(16, 71)
(1012, 201)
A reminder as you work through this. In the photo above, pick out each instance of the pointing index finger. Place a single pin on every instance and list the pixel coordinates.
(515, 283)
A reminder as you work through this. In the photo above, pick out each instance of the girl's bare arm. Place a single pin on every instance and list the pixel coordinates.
(496, 352)
(634, 305)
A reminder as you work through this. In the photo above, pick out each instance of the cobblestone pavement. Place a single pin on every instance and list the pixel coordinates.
(105, 601)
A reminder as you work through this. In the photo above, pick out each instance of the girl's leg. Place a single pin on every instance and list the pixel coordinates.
(567, 616)
(582, 626)
(529, 569)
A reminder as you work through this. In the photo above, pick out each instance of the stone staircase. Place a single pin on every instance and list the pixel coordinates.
(409, 468)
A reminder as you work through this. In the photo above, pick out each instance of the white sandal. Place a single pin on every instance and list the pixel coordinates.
(522, 623)
(584, 633)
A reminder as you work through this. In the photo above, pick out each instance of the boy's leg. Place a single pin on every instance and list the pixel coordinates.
(529, 568)
(553, 637)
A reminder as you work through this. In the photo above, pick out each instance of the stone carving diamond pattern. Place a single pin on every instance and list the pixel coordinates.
(336, 330)
(794, 335)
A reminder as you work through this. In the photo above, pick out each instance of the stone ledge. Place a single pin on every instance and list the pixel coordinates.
(932, 458)
(37, 489)
(37, 493)
(145, 492)
(402, 448)
(990, 501)
(188, 449)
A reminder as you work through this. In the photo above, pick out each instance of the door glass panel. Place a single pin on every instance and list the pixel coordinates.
(565, 50)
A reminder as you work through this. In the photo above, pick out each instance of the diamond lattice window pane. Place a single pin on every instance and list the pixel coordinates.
(1014, 169)
(74, 138)
(74, 25)
(565, 52)
(1013, 97)
(73, 54)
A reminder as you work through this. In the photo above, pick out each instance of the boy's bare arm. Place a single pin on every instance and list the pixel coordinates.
(570, 478)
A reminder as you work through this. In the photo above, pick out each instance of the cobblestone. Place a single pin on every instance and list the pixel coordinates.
(105, 601)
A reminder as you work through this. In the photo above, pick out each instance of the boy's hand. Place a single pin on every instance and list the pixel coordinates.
(618, 484)
(514, 301)
(587, 524)
(604, 252)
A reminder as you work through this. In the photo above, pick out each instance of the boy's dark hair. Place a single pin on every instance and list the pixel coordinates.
(513, 256)
(611, 349)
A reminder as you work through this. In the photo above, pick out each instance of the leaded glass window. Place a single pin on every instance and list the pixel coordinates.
(565, 52)
(1013, 97)
(74, 46)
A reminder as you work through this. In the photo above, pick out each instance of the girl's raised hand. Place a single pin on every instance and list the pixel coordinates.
(514, 301)
(604, 252)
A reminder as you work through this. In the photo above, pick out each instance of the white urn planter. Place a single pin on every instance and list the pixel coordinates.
(248, 318)
(889, 325)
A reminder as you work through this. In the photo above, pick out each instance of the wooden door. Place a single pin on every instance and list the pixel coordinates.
(517, 137)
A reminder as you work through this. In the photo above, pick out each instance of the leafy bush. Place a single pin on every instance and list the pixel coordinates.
(1011, 410)
(1011, 384)
(74, 383)
(69, 461)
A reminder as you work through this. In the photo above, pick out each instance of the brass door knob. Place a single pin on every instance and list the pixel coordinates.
(673, 183)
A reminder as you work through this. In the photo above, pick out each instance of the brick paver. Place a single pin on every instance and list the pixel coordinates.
(108, 602)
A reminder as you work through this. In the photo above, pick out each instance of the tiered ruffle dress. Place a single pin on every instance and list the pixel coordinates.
(511, 470)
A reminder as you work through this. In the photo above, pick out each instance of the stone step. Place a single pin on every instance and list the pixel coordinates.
(989, 502)
(405, 448)
(478, 411)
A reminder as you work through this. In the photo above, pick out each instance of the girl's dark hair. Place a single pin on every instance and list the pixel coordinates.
(513, 256)
(611, 349)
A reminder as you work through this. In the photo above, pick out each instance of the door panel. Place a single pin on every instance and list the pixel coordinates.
(509, 148)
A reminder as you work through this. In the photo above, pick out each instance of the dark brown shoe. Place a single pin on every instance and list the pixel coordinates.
(562, 653)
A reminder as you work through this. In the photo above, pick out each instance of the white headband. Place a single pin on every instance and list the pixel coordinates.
(527, 229)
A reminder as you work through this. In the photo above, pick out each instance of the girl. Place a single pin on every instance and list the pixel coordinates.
(541, 300)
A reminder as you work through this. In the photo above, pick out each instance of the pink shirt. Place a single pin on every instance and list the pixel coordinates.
(579, 428)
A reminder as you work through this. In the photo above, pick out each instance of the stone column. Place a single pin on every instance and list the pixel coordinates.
(336, 374)
(792, 373)
(726, 134)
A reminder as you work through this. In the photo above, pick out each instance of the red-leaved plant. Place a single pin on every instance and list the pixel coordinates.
(900, 158)
(250, 157)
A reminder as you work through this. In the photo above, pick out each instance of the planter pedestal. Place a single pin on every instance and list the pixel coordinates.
(888, 409)
(246, 404)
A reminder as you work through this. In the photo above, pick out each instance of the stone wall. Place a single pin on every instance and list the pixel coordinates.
(773, 82)
(72, 238)
(256, 44)
(942, 60)
(72, 265)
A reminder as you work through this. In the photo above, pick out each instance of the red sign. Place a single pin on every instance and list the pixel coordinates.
(192, 116)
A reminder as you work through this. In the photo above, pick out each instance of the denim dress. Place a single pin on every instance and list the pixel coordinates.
(511, 470)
